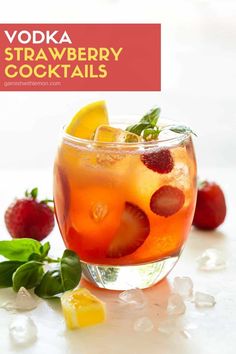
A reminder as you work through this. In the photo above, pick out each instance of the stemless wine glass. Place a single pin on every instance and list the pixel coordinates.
(125, 208)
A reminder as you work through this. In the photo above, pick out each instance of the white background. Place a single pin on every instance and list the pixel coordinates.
(198, 87)
(198, 77)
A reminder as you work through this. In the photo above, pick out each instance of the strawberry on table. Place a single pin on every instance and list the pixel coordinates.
(210, 209)
(29, 218)
(167, 201)
(132, 232)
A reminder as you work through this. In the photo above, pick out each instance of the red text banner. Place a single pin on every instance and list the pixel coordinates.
(80, 57)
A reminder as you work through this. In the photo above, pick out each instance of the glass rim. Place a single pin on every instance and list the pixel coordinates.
(178, 138)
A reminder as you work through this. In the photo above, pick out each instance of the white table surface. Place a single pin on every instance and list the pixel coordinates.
(214, 330)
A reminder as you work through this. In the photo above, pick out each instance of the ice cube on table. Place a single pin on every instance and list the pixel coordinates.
(183, 286)
(22, 330)
(143, 324)
(24, 300)
(133, 297)
(211, 259)
(108, 134)
(176, 305)
(204, 300)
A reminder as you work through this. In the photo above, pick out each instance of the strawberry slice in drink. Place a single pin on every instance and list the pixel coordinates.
(167, 201)
(132, 232)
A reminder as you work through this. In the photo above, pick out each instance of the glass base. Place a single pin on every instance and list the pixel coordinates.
(128, 277)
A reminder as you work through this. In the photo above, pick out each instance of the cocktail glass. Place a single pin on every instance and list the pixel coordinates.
(124, 207)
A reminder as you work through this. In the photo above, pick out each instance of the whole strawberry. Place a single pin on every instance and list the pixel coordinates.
(210, 209)
(27, 217)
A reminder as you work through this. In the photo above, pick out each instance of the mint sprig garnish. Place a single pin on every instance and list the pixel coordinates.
(148, 126)
(26, 267)
(181, 129)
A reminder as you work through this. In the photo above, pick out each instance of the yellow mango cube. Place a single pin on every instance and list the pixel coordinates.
(81, 308)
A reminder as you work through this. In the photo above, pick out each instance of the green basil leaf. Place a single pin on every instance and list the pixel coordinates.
(44, 249)
(70, 270)
(151, 117)
(35, 257)
(138, 128)
(7, 269)
(150, 134)
(19, 249)
(148, 121)
(50, 285)
(181, 129)
(57, 281)
(28, 275)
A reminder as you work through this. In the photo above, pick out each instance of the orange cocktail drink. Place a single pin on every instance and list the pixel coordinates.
(125, 205)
